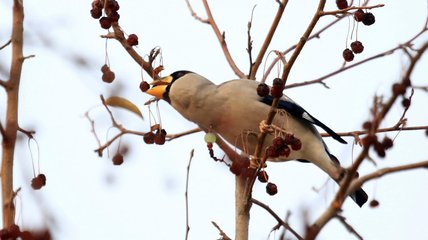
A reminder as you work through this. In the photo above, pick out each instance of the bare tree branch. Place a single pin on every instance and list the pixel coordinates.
(346, 10)
(6, 44)
(222, 233)
(254, 67)
(186, 194)
(221, 39)
(349, 227)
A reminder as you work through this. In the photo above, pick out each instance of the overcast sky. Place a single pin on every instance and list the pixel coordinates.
(88, 198)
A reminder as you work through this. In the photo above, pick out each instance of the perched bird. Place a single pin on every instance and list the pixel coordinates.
(234, 111)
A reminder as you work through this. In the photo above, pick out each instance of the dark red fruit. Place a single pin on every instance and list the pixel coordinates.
(113, 5)
(132, 39)
(398, 89)
(272, 152)
(348, 55)
(374, 203)
(114, 16)
(358, 15)
(296, 146)
(277, 88)
(96, 12)
(42, 178)
(263, 90)
(271, 188)
(36, 183)
(262, 176)
(368, 140)
(13, 231)
(105, 68)
(368, 19)
(285, 151)
(278, 142)
(387, 143)
(117, 159)
(144, 86)
(160, 137)
(367, 125)
(357, 47)
(149, 138)
(406, 102)
(97, 4)
(342, 4)
(105, 22)
(108, 77)
(380, 150)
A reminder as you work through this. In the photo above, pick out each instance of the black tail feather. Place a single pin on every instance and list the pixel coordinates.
(360, 197)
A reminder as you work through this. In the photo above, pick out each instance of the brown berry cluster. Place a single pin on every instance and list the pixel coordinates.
(157, 137)
(38, 182)
(283, 146)
(108, 75)
(263, 89)
(263, 177)
(367, 19)
(372, 140)
(374, 203)
(111, 8)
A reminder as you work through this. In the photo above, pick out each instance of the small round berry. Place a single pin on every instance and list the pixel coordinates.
(368, 19)
(210, 137)
(348, 55)
(296, 146)
(4, 233)
(271, 188)
(36, 183)
(285, 151)
(113, 16)
(160, 137)
(387, 143)
(132, 40)
(368, 140)
(117, 159)
(263, 90)
(367, 125)
(144, 86)
(105, 68)
(380, 150)
(96, 13)
(398, 89)
(149, 138)
(108, 76)
(14, 231)
(42, 178)
(105, 22)
(272, 152)
(210, 146)
(374, 203)
(97, 4)
(357, 47)
(342, 4)
(278, 142)
(406, 102)
(358, 15)
(278, 82)
(262, 176)
(113, 5)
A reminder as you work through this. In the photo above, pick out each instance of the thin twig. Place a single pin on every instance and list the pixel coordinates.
(380, 130)
(186, 194)
(193, 13)
(268, 39)
(222, 233)
(29, 133)
(277, 218)
(6, 44)
(348, 226)
(170, 137)
(346, 10)
(221, 39)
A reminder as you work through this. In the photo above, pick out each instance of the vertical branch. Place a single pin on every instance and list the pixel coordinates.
(186, 194)
(268, 39)
(11, 126)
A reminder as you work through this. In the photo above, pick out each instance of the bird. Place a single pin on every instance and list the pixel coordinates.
(234, 111)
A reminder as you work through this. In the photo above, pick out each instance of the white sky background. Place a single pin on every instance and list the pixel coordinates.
(89, 198)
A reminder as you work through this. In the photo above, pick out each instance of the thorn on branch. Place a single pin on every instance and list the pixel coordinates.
(29, 133)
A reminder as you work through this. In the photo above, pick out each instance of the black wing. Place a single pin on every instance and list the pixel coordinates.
(301, 114)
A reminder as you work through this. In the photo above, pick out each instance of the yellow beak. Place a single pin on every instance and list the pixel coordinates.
(159, 87)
